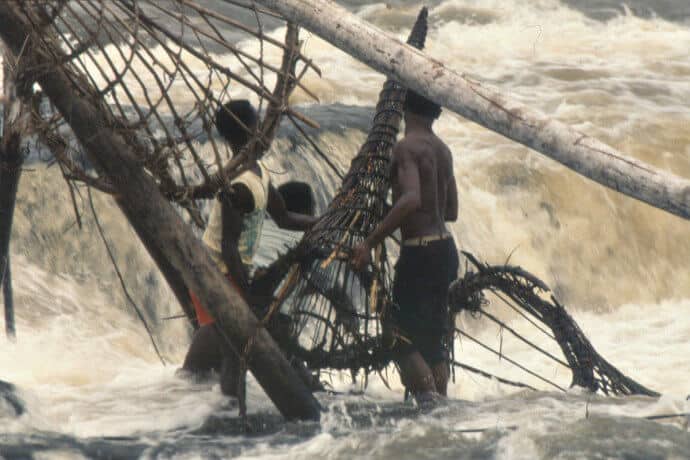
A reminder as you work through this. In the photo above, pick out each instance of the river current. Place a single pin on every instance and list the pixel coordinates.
(92, 386)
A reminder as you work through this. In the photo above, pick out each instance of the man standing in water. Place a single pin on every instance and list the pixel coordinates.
(424, 198)
(232, 237)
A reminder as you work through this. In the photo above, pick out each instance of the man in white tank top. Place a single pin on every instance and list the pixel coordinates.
(232, 236)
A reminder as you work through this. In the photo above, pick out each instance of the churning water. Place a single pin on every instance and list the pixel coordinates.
(92, 386)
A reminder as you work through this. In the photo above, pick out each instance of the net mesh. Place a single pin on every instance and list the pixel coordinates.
(525, 294)
(162, 69)
(333, 307)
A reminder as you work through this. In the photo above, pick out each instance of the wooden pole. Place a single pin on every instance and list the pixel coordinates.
(11, 160)
(487, 106)
(10, 329)
(154, 218)
(172, 276)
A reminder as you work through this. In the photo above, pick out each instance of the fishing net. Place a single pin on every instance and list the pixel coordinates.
(531, 300)
(337, 312)
(335, 309)
(161, 70)
(528, 301)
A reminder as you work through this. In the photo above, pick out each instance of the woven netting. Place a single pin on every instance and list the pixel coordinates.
(489, 295)
(161, 70)
(333, 307)
(545, 327)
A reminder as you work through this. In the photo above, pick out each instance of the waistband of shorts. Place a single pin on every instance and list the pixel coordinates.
(425, 240)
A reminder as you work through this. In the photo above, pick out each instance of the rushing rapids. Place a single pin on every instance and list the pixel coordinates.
(621, 77)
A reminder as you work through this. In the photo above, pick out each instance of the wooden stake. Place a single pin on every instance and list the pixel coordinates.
(11, 160)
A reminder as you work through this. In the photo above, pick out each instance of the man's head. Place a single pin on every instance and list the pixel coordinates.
(420, 106)
(230, 128)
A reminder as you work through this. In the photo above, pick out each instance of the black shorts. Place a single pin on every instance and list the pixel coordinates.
(419, 315)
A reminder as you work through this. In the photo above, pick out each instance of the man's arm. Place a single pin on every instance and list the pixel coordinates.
(283, 218)
(234, 205)
(410, 200)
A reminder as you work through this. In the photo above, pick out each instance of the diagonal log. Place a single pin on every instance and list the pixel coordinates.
(154, 218)
(487, 106)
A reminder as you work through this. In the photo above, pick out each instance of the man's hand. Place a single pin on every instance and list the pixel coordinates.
(361, 256)
(284, 218)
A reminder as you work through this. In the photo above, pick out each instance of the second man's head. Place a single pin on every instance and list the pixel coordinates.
(418, 105)
(229, 120)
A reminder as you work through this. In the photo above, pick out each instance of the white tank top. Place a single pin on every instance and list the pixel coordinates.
(252, 223)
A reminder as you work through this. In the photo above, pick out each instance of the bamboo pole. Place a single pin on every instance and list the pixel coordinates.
(487, 106)
(154, 218)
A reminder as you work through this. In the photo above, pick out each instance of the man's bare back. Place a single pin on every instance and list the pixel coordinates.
(424, 198)
(429, 157)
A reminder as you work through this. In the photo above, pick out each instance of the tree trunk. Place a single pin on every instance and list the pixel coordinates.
(154, 219)
(488, 107)
(172, 276)
(10, 169)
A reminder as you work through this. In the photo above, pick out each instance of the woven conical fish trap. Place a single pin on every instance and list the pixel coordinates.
(336, 310)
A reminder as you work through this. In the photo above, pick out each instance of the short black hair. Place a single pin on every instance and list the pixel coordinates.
(419, 105)
(226, 121)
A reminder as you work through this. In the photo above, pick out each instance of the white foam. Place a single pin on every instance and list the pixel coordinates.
(85, 367)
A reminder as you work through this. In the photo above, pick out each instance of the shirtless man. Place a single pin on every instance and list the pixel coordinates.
(424, 198)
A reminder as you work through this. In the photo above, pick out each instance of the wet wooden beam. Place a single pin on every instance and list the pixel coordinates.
(487, 106)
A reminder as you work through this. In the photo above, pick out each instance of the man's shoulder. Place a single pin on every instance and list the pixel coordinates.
(416, 146)
(410, 140)
(407, 145)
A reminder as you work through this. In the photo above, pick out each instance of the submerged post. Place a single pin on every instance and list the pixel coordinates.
(152, 216)
(10, 329)
(487, 106)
